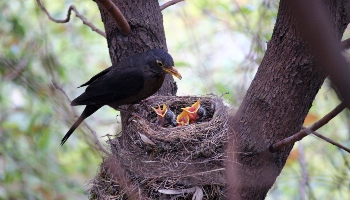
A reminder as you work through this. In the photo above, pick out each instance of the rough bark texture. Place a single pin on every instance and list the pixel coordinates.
(276, 104)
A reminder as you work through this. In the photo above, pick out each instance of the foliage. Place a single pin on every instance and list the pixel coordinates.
(217, 45)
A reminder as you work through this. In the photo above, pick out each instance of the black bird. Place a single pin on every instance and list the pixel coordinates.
(165, 116)
(131, 80)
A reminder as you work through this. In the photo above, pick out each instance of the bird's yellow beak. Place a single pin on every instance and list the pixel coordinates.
(183, 119)
(173, 72)
(159, 111)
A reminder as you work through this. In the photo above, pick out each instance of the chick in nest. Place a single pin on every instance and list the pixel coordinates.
(165, 116)
(183, 119)
(195, 112)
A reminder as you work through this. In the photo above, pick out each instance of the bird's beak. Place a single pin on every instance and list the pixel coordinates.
(173, 72)
(160, 112)
(183, 119)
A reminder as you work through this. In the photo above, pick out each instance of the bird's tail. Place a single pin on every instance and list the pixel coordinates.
(89, 110)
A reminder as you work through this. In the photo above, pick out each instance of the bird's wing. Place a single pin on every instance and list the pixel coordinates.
(113, 86)
(96, 77)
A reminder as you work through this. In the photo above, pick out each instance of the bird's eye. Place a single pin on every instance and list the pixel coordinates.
(159, 63)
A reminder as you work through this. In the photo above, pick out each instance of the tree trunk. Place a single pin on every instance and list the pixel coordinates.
(276, 104)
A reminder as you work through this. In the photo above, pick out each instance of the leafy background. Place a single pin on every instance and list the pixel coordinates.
(217, 46)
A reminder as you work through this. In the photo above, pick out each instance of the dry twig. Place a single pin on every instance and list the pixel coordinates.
(169, 3)
(97, 141)
(117, 15)
(72, 7)
(301, 134)
(331, 141)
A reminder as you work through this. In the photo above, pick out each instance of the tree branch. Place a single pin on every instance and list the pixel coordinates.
(169, 3)
(117, 15)
(97, 141)
(301, 134)
(72, 7)
(331, 141)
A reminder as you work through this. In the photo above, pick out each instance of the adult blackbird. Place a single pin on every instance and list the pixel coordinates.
(131, 80)
(165, 116)
(195, 112)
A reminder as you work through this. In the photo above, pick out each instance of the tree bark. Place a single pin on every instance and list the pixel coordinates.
(276, 104)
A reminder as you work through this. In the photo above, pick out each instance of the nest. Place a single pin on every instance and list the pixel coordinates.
(169, 162)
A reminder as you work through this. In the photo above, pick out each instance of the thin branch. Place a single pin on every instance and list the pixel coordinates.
(169, 3)
(117, 15)
(301, 134)
(72, 7)
(97, 141)
(331, 141)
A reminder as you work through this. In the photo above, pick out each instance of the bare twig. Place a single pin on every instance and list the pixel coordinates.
(72, 7)
(304, 176)
(117, 15)
(97, 141)
(301, 134)
(331, 141)
(169, 3)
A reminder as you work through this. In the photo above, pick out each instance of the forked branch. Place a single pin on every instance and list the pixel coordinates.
(72, 7)
(301, 134)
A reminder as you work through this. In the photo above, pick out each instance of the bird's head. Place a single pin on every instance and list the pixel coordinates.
(159, 59)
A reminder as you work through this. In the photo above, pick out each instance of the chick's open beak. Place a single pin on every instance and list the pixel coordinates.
(173, 72)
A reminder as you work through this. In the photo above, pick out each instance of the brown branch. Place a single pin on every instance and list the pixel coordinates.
(117, 15)
(301, 134)
(331, 141)
(97, 141)
(169, 3)
(72, 7)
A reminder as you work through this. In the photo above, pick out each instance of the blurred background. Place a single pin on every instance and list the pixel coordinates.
(217, 46)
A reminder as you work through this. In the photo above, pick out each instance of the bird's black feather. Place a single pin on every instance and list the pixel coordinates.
(111, 87)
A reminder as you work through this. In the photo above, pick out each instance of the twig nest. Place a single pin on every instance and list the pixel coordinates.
(172, 158)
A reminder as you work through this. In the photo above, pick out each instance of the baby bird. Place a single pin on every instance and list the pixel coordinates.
(165, 116)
